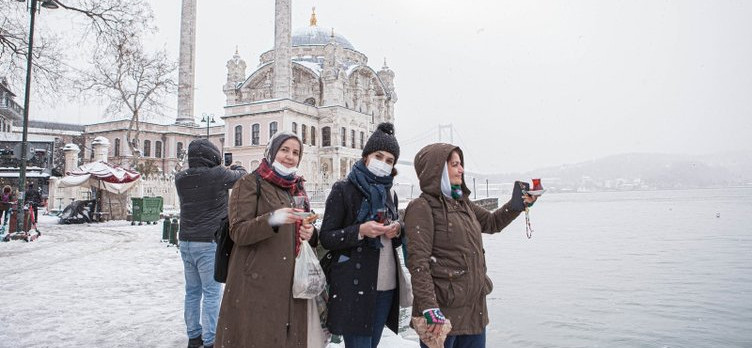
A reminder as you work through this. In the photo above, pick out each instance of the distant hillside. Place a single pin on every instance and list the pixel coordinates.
(635, 171)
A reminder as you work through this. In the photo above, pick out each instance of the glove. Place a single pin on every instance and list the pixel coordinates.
(434, 316)
(278, 217)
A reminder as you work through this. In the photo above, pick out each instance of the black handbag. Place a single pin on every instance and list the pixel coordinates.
(225, 243)
(224, 248)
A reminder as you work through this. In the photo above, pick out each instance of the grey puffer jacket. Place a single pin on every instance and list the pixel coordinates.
(202, 189)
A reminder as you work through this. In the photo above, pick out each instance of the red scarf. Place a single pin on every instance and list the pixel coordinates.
(294, 186)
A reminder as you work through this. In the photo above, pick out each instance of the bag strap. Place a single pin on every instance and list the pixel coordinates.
(258, 189)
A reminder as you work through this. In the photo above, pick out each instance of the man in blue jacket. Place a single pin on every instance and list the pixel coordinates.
(202, 189)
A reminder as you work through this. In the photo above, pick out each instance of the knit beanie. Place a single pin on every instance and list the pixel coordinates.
(382, 139)
(276, 142)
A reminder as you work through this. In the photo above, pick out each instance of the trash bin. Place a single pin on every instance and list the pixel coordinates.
(174, 229)
(166, 229)
(146, 209)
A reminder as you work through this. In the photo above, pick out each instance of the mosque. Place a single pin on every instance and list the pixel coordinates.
(313, 82)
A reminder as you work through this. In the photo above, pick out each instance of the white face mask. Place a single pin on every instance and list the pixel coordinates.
(284, 171)
(379, 168)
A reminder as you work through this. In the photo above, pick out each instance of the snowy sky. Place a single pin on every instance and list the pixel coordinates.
(526, 84)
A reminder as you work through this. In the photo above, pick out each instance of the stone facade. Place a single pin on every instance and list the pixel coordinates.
(162, 147)
(335, 101)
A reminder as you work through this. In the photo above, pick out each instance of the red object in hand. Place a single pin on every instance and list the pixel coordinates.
(537, 185)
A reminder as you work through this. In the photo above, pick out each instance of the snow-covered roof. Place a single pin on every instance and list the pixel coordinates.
(314, 35)
(313, 66)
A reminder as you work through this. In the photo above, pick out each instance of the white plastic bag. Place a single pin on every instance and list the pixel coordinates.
(309, 279)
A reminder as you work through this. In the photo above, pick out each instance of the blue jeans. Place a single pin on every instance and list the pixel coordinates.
(383, 305)
(464, 341)
(198, 263)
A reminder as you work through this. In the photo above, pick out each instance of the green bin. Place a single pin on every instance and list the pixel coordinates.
(146, 209)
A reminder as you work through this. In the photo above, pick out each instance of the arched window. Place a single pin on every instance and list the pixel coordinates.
(352, 138)
(117, 147)
(158, 149)
(238, 135)
(303, 133)
(313, 135)
(147, 148)
(179, 148)
(255, 134)
(310, 101)
(294, 128)
(272, 129)
(362, 140)
(326, 136)
(343, 134)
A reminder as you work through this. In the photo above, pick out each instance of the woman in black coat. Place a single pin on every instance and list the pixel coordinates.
(362, 230)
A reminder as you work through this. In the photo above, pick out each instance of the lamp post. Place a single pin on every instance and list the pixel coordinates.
(209, 119)
(34, 7)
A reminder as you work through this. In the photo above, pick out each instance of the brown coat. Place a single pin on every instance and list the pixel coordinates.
(258, 309)
(445, 248)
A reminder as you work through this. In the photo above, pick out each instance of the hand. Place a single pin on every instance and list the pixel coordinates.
(394, 230)
(435, 319)
(529, 200)
(283, 216)
(306, 231)
(372, 229)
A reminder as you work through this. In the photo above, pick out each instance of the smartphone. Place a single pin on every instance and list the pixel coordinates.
(228, 159)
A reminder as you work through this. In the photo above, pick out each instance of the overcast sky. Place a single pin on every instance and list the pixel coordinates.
(526, 84)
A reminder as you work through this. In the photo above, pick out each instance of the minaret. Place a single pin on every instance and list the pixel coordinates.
(187, 63)
(282, 49)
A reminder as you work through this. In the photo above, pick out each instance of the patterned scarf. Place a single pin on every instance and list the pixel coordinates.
(456, 191)
(292, 184)
(375, 190)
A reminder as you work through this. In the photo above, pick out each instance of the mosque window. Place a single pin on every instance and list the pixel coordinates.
(362, 139)
(343, 132)
(304, 133)
(313, 135)
(294, 128)
(255, 129)
(238, 135)
(147, 148)
(158, 149)
(352, 138)
(117, 147)
(272, 129)
(310, 101)
(326, 136)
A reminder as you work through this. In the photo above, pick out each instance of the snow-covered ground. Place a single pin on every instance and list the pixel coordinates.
(98, 285)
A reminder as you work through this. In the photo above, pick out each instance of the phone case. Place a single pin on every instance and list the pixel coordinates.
(520, 188)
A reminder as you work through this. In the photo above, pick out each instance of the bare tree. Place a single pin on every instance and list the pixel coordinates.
(98, 24)
(131, 80)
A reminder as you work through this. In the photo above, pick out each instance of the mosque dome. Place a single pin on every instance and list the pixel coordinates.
(315, 35)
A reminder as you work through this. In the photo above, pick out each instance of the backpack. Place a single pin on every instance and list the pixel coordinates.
(225, 243)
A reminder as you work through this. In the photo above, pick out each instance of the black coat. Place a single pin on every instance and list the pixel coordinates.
(352, 289)
(202, 189)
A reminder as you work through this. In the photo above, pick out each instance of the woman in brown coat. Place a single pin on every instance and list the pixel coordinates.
(445, 247)
(258, 309)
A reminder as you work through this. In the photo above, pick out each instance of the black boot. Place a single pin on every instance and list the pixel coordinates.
(195, 342)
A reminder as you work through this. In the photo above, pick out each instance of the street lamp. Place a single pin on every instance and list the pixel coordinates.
(34, 7)
(209, 119)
